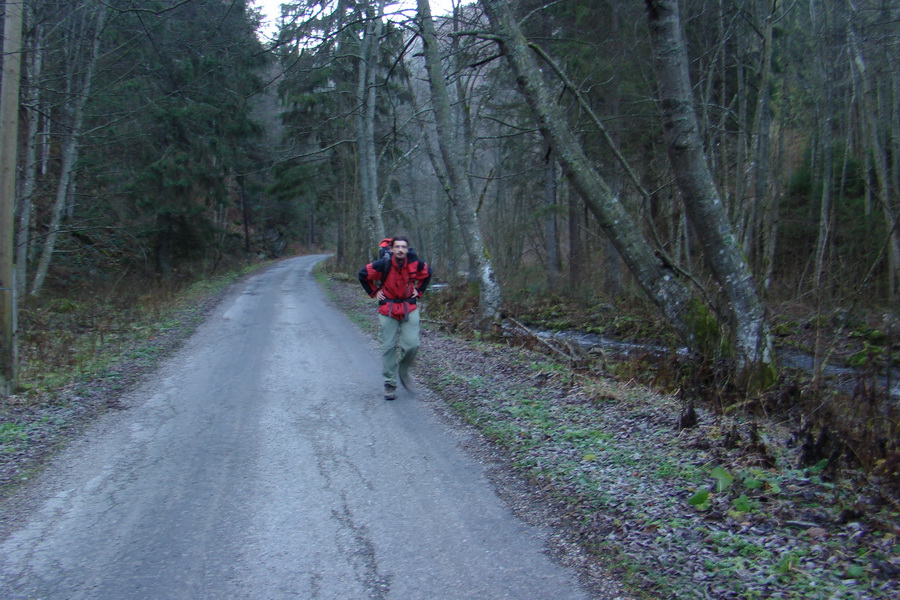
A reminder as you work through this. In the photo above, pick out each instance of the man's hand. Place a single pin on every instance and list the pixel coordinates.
(381, 297)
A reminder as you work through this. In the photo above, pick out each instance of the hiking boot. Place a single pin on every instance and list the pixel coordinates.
(390, 391)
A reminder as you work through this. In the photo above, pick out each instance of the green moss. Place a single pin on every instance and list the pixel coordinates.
(708, 336)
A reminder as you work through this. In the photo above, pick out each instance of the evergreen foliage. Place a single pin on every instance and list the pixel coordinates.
(186, 154)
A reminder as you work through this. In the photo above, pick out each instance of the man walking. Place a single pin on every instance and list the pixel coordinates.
(398, 280)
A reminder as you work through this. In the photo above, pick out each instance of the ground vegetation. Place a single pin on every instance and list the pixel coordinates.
(678, 496)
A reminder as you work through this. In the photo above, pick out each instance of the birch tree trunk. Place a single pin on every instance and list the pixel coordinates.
(704, 206)
(654, 276)
(82, 92)
(460, 192)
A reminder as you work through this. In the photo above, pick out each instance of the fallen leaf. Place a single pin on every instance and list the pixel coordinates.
(816, 532)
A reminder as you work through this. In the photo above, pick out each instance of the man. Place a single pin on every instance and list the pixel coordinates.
(398, 280)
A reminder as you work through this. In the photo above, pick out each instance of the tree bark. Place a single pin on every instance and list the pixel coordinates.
(29, 170)
(655, 277)
(9, 126)
(704, 206)
(82, 92)
(365, 123)
(460, 191)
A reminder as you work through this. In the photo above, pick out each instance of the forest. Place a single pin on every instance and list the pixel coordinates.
(720, 177)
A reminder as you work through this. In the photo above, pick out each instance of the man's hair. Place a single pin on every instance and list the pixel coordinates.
(399, 238)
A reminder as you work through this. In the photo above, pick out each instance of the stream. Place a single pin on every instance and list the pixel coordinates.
(842, 378)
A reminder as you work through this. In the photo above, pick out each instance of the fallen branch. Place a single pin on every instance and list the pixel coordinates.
(547, 344)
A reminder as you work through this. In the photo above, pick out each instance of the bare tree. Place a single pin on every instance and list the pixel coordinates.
(80, 89)
(9, 124)
(876, 147)
(655, 275)
(453, 156)
(365, 123)
(704, 206)
(32, 97)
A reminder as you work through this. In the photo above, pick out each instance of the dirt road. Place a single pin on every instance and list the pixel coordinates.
(262, 462)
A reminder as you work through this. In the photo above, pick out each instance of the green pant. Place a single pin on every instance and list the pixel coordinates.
(399, 345)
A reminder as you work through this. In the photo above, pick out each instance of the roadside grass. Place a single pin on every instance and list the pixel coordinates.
(675, 513)
(622, 484)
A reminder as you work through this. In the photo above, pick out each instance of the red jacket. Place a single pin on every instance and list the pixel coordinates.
(397, 282)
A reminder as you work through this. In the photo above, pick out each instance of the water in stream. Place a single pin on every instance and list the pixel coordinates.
(844, 378)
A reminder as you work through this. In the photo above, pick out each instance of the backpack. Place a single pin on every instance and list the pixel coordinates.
(384, 248)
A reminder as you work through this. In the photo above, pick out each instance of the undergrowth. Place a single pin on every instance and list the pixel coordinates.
(63, 339)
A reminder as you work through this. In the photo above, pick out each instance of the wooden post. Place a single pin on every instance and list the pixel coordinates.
(9, 141)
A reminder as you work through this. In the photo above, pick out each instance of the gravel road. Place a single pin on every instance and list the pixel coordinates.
(262, 462)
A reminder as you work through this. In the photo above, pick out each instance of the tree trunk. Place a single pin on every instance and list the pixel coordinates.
(29, 171)
(756, 173)
(825, 119)
(576, 252)
(704, 206)
(70, 150)
(655, 277)
(365, 123)
(871, 132)
(455, 260)
(551, 240)
(460, 191)
(772, 221)
(9, 126)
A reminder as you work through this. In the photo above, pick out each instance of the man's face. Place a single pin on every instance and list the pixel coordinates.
(400, 249)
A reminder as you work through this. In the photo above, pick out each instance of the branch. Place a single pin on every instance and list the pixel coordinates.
(662, 254)
(542, 341)
(146, 10)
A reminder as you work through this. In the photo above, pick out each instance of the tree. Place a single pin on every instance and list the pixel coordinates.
(460, 191)
(80, 80)
(873, 133)
(745, 311)
(32, 99)
(9, 125)
(655, 276)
